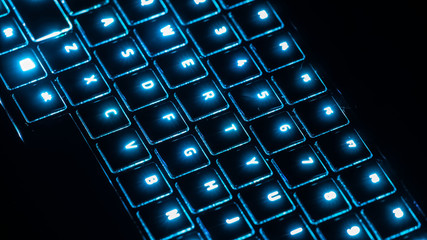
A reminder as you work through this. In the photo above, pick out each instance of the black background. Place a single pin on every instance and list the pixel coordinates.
(374, 51)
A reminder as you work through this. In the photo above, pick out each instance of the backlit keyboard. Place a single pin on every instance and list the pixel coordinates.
(205, 116)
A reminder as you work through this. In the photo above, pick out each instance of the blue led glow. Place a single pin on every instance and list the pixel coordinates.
(127, 53)
(211, 185)
(131, 145)
(284, 46)
(27, 64)
(241, 62)
(398, 213)
(169, 116)
(308, 161)
(208, 95)
(353, 231)
(148, 84)
(189, 152)
(329, 196)
(107, 21)
(172, 214)
(328, 110)
(232, 220)
(199, 1)
(285, 127)
(220, 31)
(146, 2)
(8, 32)
(167, 31)
(46, 96)
(263, 14)
(274, 196)
(351, 144)
(306, 78)
(253, 161)
(110, 112)
(69, 48)
(296, 231)
(232, 128)
(263, 94)
(374, 178)
(151, 179)
(90, 79)
(187, 63)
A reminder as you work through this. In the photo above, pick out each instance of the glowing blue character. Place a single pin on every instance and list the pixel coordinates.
(110, 112)
(374, 178)
(308, 161)
(169, 116)
(253, 161)
(241, 62)
(296, 231)
(146, 2)
(353, 231)
(398, 213)
(27, 64)
(151, 180)
(167, 31)
(263, 94)
(172, 214)
(232, 128)
(187, 63)
(328, 110)
(263, 14)
(351, 144)
(284, 46)
(131, 145)
(330, 195)
(208, 95)
(189, 152)
(306, 78)
(69, 48)
(211, 185)
(8, 32)
(107, 21)
(46, 96)
(220, 31)
(127, 53)
(274, 196)
(148, 84)
(199, 1)
(285, 127)
(232, 220)
(90, 79)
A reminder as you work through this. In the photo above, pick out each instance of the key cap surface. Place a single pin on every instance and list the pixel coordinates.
(288, 227)
(346, 227)
(190, 11)
(76, 7)
(43, 19)
(11, 35)
(137, 11)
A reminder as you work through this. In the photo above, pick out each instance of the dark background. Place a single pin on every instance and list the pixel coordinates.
(374, 51)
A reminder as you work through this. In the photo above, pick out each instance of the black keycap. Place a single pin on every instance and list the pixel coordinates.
(266, 201)
(190, 11)
(42, 19)
(227, 222)
(298, 83)
(38, 101)
(101, 25)
(3, 9)
(165, 219)
(102, 117)
(137, 11)
(11, 35)
(277, 50)
(346, 227)
(277, 132)
(76, 7)
(189, 236)
(161, 122)
(213, 35)
(343, 149)
(182, 156)
(234, 67)
(201, 99)
(222, 133)
(243, 167)
(289, 227)
(64, 52)
(144, 185)
(321, 115)
(123, 150)
(255, 99)
(83, 84)
(20, 68)
(322, 201)
(140, 89)
(233, 3)
(180, 67)
(390, 218)
(120, 57)
(256, 19)
(299, 166)
(202, 190)
(366, 183)
(160, 35)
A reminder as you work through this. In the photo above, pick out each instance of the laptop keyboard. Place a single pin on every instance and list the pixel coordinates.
(206, 116)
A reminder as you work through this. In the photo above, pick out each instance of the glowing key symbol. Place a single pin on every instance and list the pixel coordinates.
(398, 213)
(353, 231)
(151, 180)
(328, 110)
(167, 31)
(187, 63)
(306, 78)
(263, 14)
(8, 32)
(308, 161)
(374, 178)
(90, 79)
(172, 214)
(148, 84)
(285, 127)
(69, 48)
(330, 195)
(208, 95)
(169, 116)
(211, 185)
(109, 112)
(233, 127)
(351, 144)
(263, 94)
(189, 152)
(296, 231)
(131, 145)
(220, 31)
(199, 1)
(46, 96)
(241, 62)
(146, 2)
(127, 53)
(284, 46)
(232, 220)
(274, 196)
(107, 21)
(27, 64)
(252, 161)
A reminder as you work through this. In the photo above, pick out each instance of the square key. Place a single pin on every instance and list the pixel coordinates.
(137, 11)
(346, 227)
(11, 35)
(190, 11)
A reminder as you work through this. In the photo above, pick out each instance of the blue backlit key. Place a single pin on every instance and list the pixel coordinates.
(123, 150)
(343, 149)
(120, 57)
(234, 67)
(101, 25)
(222, 133)
(140, 89)
(160, 35)
(11, 36)
(291, 227)
(213, 35)
(256, 19)
(298, 82)
(366, 183)
(102, 117)
(190, 11)
(144, 185)
(20, 68)
(182, 156)
(321, 115)
(165, 219)
(38, 101)
(390, 218)
(255, 99)
(277, 132)
(64, 52)
(76, 7)
(3, 9)
(201, 99)
(322, 201)
(266, 201)
(233, 3)
(161, 122)
(137, 11)
(227, 222)
(83, 84)
(299, 166)
(244, 166)
(42, 19)
(180, 67)
(277, 50)
(346, 227)
(203, 189)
